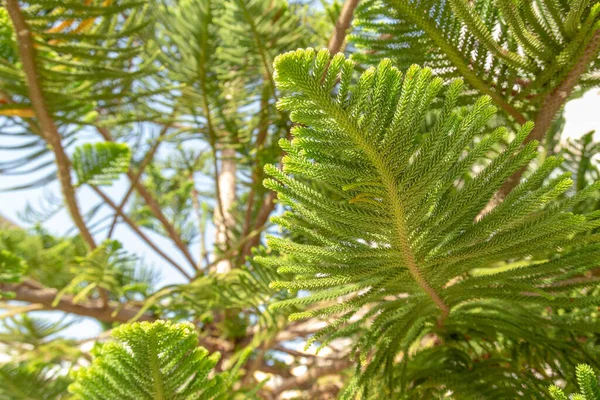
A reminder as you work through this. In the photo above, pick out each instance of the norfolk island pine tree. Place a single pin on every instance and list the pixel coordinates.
(427, 220)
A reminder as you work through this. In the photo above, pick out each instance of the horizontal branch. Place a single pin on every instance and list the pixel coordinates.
(32, 292)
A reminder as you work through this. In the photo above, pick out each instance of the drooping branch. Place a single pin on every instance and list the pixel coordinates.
(49, 130)
(457, 59)
(32, 292)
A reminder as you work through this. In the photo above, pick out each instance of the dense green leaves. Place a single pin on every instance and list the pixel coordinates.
(108, 267)
(580, 160)
(12, 267)
(153, 361)
(100, 163)
(92, 68)
(86, 54)
(515, 52)
(32, 381)
(387, 257)
(403, 249)
(48, 258)
(8, 49)
(588, 383)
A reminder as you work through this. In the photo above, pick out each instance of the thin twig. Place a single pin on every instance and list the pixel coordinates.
(48, 128)
(157, 212)
(155, 209)
(139, 232)
(261, 219)
(256, 173)
(145, 162)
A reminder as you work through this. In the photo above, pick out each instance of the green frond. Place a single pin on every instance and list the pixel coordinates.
(246, 287)
(8, 50)
(12, 267)
(516, 52)
(88, 57)
(588, 384)
(32, 381)
(151, 361)
(47, 258)
(33, 331)
(254, 32)
(174, 195)
(94, 67)
(403, 237)
(108, 267)
(579, 159)
(100, 163)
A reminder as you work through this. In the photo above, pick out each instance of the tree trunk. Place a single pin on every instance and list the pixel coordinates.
(224, 223)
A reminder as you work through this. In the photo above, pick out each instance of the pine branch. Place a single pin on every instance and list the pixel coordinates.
(455, 56)
(48, 128)
(32, 292)
(264, 57)
(145, 162)
(266, 63)
(163, 361)
(551, 105)
(155, 209)
(256, 173)
(383, 237)
(338, 37)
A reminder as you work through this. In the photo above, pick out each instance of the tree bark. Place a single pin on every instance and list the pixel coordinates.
(224, 223)
(551, 105)
(336, 42)
(32, 292)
